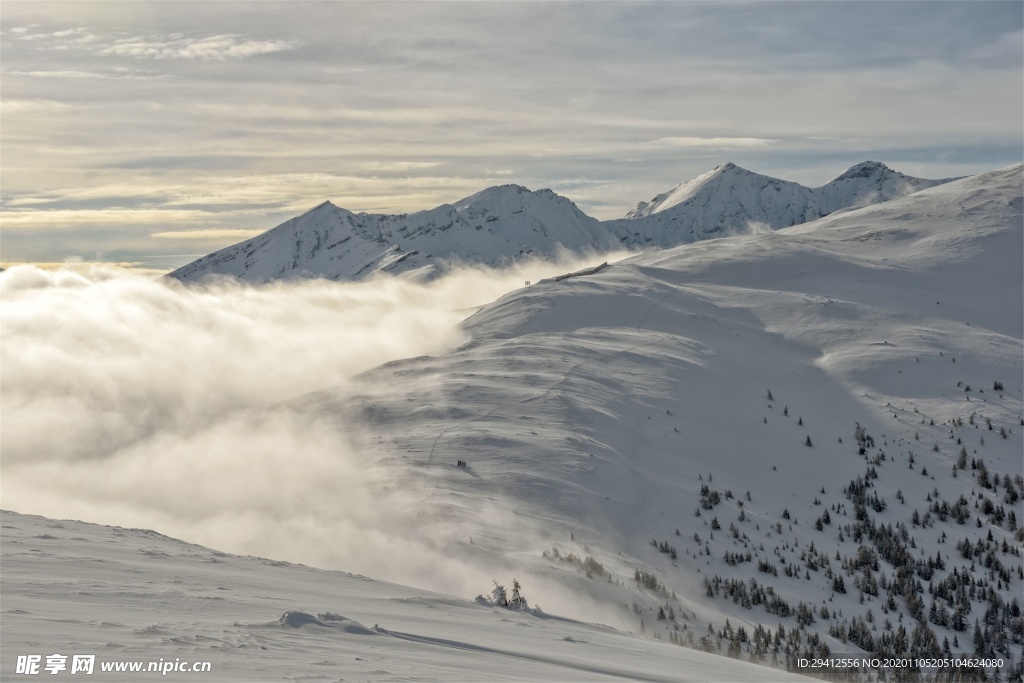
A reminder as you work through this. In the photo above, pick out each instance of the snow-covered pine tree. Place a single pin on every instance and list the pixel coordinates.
(517, 601)
(498, 596)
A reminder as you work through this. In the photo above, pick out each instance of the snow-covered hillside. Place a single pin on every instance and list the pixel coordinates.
(133, 596)
(491, 227)
(813, 434)
(502, 224)
(732, 200)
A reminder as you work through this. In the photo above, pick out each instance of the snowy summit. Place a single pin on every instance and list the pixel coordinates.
(501, 224)
(732, 200)
(491, 227)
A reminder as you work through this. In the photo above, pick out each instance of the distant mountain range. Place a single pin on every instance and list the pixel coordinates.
(503, 223)
(731, 200)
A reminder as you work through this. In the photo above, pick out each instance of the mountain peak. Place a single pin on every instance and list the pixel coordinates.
(325, 205)
(683, 192)
(729, 167)
(727, 198)
(510, 198)
(865, 169)
(496, 194)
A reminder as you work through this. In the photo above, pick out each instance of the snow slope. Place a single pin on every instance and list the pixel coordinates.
(732, 200)
(593, 410)
(501, 224)
(491, 227)
(131, 595)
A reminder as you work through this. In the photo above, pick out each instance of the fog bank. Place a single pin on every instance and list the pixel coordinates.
(152, 404)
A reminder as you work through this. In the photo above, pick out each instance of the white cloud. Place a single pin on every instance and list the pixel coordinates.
(122, 74)
(212, 234)
(101, 192)
(398, 166)
(119, 392)
(217, 47)
(112, 216)
(715, 142)
(31, 106)
(60, 73)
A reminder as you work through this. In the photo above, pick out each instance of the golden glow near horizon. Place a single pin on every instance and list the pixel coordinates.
(81, 266)
(134, 133)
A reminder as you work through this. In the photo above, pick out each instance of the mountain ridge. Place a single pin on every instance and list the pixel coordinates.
(502, 223)
(730, 199)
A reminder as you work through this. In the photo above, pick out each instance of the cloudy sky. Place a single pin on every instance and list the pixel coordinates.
(149, 133)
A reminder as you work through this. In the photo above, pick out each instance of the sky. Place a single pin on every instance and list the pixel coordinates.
(150, 133)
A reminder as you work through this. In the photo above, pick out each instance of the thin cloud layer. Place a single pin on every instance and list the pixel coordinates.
(219, 47)
(715, 143)
(206, 234)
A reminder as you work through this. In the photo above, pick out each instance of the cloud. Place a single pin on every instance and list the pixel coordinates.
(62, 73)
(77, 265)
(216, 47)
(115, 74)
(212, 234)
(150, 404)
(13, 106)
(715, 142)
(106, 217)
(398, 166)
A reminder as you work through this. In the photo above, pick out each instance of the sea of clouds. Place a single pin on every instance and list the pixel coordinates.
(148, 403)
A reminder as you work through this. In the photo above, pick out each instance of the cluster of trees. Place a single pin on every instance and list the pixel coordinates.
(732, 559)
(708, 497)
(588, 564)
(501, 598)
(645, 579)
(748, 595)
(955, 597)
(665, 548)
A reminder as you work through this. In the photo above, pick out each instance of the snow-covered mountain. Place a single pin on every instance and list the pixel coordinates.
(491, 227)
(817, 427)
(732, 200)
(500, 224)
(773, 445)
